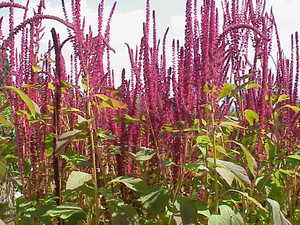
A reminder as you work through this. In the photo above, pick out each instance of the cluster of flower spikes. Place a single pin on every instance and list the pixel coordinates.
(210, 56)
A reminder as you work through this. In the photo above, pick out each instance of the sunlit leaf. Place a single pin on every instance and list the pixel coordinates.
(237, 170)
(135, 184)
(252, 85)
(226, 90)
(5, 122)
(33, 107)
(112, 103)
(36, 68)
(294, 157)
(277, 215)
(227, 216)
(77, 179)
(282, 98)
(65, 211)
(226, 174)
(251, 116)
(66, 138)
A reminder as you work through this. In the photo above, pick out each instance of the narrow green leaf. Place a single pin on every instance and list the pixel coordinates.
(5, 122)
(282, 98)
(252, 165)
(297, 157)
(33, 107)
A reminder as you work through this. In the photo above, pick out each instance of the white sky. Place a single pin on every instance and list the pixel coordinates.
(129, 15)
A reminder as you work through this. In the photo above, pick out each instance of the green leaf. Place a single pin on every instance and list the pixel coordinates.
(77, 179)
(252, 165)
(251, 116)
(108, 102)
(237, 170)
(135, 184)
(203, 140)
(128, 119)
(252, 85)
(227, 217)
(66, 138)
(277, 215)
(156, 201)
(143, 155)
(124, 215)
(226, 174)
(65, 211)
(33, 107)
(3, 168)
(226, 90)
(231, 124)
(282, 98)
(297, 157)
(292, 107)
(188, 210)
(5, 122)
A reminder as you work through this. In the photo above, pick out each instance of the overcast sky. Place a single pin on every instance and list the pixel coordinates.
(129, 15)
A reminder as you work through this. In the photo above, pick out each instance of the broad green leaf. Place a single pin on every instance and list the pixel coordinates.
(188, 210)
(277, 215)
(227, 217)
(282, 98)
(252, 165)
(251, 116)
(5, 122)
(156, 201)
(33, 107)
(237, 170)
(226, 90)
(203, 140)
(108, 102)
(124, 215)
(135, 184)
(66, 138)
(77, 179)
(143, 155)
(226, 174)
(65, 211)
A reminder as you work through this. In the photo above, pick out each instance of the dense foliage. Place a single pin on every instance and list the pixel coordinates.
(213, 138)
